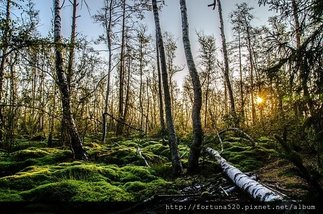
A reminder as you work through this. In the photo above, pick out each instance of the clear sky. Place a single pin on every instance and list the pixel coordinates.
(201, 19)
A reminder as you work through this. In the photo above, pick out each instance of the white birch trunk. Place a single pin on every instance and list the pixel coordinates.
(256, 190)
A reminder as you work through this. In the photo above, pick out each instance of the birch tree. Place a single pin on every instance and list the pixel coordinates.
(195, 149)
(76, 143)
(176, 163)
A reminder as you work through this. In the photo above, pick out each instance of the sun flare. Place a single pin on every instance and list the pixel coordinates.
(259, 100)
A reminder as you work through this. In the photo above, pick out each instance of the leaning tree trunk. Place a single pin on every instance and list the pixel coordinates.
(176, 162)
(76, 143)
(256, 190)
(195, 150)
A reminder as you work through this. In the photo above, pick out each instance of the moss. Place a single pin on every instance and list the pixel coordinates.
(9, 196)
(142, 190)
(135, 186)
(135, 173)
(73, 190)
(24, 144)
(87, 172)
(101, 191)
(155, 147)
(27, 179)
(163, 170)
(246, 157)
(31, 152)
(57, 191)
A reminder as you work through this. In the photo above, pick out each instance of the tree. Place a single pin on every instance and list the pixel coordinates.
(226, 64)
(160, 93)
(76, 143)
(241, 19)
(107, 21)
(4, 50)
(208, 58)
(176, 163)
(196, 111)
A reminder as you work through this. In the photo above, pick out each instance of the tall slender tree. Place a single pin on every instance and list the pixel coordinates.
(176, 162)
(4, 49)
(76, 143)
(195, 149)
(108, 11)
(226, 63)
(160, 94)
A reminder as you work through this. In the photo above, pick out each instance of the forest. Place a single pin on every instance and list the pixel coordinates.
(238, 120)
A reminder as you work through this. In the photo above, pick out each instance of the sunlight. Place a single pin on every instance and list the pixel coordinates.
(259, 100)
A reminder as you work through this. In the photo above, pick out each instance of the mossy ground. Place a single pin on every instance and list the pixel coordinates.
(115, 172)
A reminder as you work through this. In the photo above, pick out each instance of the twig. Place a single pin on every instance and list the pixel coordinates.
(225, 192)
(140, 155)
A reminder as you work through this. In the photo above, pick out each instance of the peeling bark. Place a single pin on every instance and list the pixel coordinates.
(255, 190)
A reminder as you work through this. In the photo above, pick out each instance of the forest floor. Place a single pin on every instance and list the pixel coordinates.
(116, 172)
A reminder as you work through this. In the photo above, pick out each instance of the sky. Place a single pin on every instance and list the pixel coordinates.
(201, 19)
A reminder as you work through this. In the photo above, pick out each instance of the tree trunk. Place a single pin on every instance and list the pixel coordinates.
(160, 93)
(255, 190)
(4, 50)
(253, 108)
(241, 80)
(176, 162)
(141, 85)
(195, 149)
(226, 67)
(72, 45)
(108, 27)
(76, 143)
(119, 130)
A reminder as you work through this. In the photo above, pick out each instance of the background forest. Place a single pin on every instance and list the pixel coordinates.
(63, 102)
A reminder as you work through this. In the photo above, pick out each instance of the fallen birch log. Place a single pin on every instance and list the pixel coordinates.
(256, 190)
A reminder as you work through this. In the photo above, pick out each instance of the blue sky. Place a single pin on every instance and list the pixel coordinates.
(201, 19)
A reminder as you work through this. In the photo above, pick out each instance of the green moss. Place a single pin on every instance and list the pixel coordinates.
(246, 157)
(142, 190)
(135, 186)
(58, 191)
(31, 152)
(27, 179)
(101, 191)
(87, 172)
(73, 190)
(135, 173)
(24, 144)
(9, 196)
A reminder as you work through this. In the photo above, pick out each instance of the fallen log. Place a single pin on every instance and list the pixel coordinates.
(256, 190)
